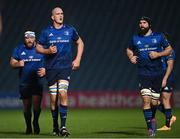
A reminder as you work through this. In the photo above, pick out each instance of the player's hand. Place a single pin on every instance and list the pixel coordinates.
(134, 59)
(75, 64)
(41, 72)
(153, 55)
(21, 63)
(164, 82)
(52, 49)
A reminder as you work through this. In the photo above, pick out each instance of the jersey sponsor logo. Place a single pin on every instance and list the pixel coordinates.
(139, 42)
(23, 53)
(146, 45)
(148, 49)
(58, 41)
(32, 60)
(51, 35)
(30, 57)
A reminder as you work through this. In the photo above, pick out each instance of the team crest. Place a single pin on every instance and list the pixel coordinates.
(154, 41)
(66, 33)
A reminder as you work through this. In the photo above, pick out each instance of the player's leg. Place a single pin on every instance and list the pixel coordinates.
(27, 104)
(168, 109)
(154, 104)
(170, 119)
(53, 90)
(147, 111)
(166, 103)
(36, 100)
(145, 85)
(155, 97)
(63, 87)
(27, 114)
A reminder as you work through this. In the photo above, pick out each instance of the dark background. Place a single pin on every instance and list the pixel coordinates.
(106, 26)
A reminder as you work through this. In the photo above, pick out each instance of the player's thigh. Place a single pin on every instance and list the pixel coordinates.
(156, 88)
(63, 89)
(25, 92)
(145, 86)
(166, 96)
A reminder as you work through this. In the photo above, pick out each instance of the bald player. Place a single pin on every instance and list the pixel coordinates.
(56, 42)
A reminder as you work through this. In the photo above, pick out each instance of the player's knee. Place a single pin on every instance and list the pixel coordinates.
(154, 102)
(146, 102)
(63, 87)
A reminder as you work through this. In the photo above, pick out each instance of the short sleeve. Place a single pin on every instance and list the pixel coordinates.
(75, 35)
(15, 54)
(171, 56)
(131, 45)
(164, 41)
(42, 38)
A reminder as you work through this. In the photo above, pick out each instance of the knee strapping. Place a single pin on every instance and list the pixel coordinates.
(63, 86)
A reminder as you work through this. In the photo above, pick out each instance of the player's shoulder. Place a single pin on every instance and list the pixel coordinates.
(69, 27)
(158, 34)
(20, 46)
(136, 36)
(47, 29)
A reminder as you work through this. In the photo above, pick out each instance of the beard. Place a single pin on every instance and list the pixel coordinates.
(29, 44)
(143, 31)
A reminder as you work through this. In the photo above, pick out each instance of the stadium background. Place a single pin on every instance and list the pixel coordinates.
(106, 26)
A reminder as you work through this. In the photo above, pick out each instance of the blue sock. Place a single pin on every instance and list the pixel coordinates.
(55, 117)
(168, 114)
(63, 114)
(161, 107)
(153, 108)
(148, 117)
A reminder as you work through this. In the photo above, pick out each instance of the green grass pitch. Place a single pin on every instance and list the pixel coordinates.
(89, 123)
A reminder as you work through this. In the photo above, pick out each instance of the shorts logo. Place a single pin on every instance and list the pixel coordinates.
(166, 88)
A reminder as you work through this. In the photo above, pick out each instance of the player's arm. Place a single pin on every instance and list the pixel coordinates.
(80, 49)
(16, 63)
(131, 56)
(169, 69)
(165, 52)
(51, 50)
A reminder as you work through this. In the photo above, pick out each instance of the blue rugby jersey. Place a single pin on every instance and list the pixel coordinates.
(63, 39)
(142, 46)
(32, 62)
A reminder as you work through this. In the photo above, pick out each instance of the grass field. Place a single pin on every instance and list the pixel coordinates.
(88, 123)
